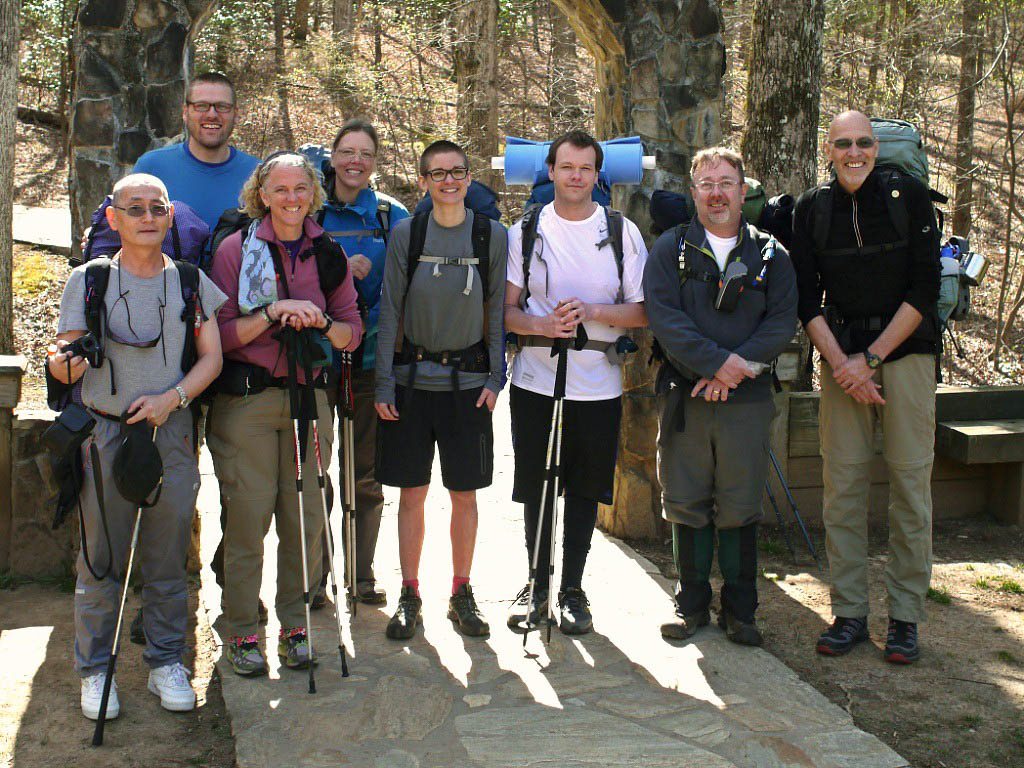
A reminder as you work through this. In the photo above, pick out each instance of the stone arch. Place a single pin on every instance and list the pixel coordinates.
(132, 60)
(659, 68)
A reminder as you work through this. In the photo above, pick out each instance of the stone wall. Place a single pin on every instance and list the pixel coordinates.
(132, 59)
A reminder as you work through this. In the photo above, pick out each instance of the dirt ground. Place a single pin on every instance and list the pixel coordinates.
(962, 704)
(41, 723)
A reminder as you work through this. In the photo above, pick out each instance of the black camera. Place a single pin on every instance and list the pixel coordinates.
(88, 347)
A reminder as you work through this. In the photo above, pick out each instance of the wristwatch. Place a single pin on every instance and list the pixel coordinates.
(327, 325)
(266, 314)
(873, 360)
(182, 396)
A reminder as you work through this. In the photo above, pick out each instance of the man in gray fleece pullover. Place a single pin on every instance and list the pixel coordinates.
(440, 367)
(714, 390)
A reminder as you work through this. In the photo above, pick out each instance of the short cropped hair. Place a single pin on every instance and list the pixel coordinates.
(712, 155)
(250, 200)
(438, 147)
(580, 140)
(138, 180)
(210, 78)
(357, 125)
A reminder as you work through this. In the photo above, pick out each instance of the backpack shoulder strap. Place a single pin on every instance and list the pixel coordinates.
(331, 264)
(176, 241)
(894, 202)
(482, 249)
(97, 274)
(615, 224)
(821, 216)
(384, 217)
(188, 276)
(417, 237)
(531, 223)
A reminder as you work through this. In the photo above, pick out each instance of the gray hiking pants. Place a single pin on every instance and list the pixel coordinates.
(164, 534)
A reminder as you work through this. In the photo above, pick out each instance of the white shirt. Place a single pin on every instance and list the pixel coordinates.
(566, 263)
(721, 247)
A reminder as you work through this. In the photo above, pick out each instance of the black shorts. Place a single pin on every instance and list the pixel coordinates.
(590, 442)
(465, 440)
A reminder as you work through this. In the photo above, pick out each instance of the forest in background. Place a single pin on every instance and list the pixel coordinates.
(478, 70)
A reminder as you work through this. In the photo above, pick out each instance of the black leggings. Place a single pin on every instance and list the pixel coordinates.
(578, 530)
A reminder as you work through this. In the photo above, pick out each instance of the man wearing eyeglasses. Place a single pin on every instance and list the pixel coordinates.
(721, 300)
(877, 336)
(144, 338)
(442, 383)
(204, 170)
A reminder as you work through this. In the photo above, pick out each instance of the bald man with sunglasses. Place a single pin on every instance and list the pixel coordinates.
(866, 245)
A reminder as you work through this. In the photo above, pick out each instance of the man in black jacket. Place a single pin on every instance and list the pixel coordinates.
(867, 240)
(721, 301)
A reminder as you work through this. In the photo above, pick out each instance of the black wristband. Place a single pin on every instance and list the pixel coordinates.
(328, 325)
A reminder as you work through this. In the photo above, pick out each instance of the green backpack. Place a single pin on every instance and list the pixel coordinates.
(755, 201)
(900, 144)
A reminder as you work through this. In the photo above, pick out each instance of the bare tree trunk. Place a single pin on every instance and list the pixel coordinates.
(910, 52)
(341, 18)
(780, 143)
(279, 74)
(877, 56)
(564, 104)
(475, 63)
(9, 35)
(300, 21)
(970, 43)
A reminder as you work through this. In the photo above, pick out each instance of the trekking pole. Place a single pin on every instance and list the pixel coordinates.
(330, 548)
(101, 717)
(792, 503)
(349, 491)
(778, 519)
(554, 505)
(290, 337)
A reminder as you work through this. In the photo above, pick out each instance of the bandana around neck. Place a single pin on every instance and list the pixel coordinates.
(257, 279)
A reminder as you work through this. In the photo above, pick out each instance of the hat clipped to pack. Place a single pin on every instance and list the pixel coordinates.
(138, 469)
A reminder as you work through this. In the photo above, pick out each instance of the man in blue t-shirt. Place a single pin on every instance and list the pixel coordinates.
(204, 170)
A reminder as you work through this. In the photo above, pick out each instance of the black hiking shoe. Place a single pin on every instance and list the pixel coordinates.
(574, 612)
(519, 620)
(741, 632)
(685, 624)
(319, 599)
(901, 642)
(844, 633)
(136, 633)
(462, 609)
(367, 592)
(408, 616)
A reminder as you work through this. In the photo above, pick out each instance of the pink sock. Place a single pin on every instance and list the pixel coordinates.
(458, 581)
(414, 583)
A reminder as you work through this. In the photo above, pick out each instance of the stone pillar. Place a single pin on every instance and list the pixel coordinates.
(12, 368)
(132, 60)
(659, 67)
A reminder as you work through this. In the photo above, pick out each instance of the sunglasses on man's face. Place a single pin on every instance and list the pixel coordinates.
(862, 142)
(159, 210)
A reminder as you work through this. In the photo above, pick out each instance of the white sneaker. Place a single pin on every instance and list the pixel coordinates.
(171, 684)
(92, 693)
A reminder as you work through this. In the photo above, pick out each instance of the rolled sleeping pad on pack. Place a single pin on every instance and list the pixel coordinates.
(524, 160)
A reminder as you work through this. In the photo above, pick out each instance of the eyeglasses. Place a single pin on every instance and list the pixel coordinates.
(862, 142)
(458, 173)
(350, 154)
(725, 185)
(222, 107)
(159, 210)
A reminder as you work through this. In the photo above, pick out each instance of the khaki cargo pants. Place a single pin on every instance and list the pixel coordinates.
(847, 438)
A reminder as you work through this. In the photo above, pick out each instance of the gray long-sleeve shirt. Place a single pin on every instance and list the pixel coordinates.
(697, 337)
(438, 315)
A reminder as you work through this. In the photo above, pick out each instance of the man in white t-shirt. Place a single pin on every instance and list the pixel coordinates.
(576, 272)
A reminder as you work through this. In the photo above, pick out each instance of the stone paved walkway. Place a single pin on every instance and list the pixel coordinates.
(620, 696)
(48, 227)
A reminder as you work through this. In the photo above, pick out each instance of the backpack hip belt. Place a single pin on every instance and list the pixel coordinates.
(547, 342)
(472, 359)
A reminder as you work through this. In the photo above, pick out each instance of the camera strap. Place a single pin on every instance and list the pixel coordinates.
(97, 476)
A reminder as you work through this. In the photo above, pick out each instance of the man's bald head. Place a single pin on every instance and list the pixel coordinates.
(138, 180)
(852, 148)
(850, 118)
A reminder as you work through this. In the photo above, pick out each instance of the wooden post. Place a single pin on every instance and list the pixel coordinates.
(12, 368)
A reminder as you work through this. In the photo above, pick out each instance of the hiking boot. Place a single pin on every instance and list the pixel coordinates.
(135, 632)
(170, 683)
(367, 592)
(245, 656)
(408, 616)
(518, 619)
(261, 611)
(574, 612)
(844, 633)
(901, 642)
(92, 692)
(319, 599)
(741, 632)
(463, 610)
(685, 624)
(293, 648)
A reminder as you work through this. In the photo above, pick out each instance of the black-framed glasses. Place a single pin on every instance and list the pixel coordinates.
(222, 107)
(159, 210)
(862, 142)
(459, 172)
